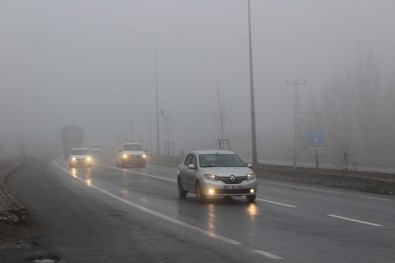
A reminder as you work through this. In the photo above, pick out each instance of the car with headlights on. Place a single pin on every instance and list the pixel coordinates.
(131, 154)
(216, 173)
(80, 157)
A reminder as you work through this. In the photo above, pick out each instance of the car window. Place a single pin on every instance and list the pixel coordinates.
(132, 147)
(194, 161)
(188, 160)
(220, 160)
(80, 152)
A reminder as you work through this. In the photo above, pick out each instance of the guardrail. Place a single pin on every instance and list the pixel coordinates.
(373, 182)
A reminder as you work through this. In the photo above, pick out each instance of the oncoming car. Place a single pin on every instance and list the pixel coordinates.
(216, 173)
(131, 154)
(80, 157)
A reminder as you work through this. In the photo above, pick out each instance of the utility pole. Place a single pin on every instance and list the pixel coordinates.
(297, 131)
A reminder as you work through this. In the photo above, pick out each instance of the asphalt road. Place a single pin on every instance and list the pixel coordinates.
(111, 214)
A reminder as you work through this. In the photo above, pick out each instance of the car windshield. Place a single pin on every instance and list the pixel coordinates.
(80, 152)
(220, 160)
(132, 147)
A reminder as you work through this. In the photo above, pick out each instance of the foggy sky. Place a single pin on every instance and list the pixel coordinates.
(76, 62)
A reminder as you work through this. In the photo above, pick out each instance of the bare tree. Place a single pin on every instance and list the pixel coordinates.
(221, 115)
(348, 158)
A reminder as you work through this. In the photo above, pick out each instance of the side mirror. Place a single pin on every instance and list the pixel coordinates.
(191, 166)
(249, 165)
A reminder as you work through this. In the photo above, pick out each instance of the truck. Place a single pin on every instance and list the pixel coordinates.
(72, 137)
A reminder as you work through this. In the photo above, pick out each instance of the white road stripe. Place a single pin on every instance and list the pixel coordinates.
(276, 203)
(172, 180)
(377, 198)
(354, 220)
(153, 213)
(267, 254)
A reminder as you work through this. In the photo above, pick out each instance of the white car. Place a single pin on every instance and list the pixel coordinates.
(80, 157)
(216, 173)
(131, 154)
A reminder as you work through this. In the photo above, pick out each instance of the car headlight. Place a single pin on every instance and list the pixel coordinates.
(89, 158)
(125, 156)
(211, 177)
(144, 156)
(73, 159)
(251, 177)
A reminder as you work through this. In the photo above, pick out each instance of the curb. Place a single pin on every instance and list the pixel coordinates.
(11, 210)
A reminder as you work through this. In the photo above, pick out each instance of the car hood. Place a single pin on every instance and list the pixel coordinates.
(226, 171)
(79, 156)
(133, 152)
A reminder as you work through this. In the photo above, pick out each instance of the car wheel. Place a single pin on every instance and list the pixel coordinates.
(199, 193)
(181, 192)
(251, 198)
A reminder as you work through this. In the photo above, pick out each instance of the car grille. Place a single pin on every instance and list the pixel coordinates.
(135, 157)
(232, 191)
(226, 179)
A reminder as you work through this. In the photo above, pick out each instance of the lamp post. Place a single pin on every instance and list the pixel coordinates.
(253, 128)
(155, 38)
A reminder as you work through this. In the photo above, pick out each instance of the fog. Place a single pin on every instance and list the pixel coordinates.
(82, 62)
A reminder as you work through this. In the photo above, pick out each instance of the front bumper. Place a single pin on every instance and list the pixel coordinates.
(217, 188)
(80, 162)
(132, 160)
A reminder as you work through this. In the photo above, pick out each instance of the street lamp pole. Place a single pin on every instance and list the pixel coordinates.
(156, 99)
(253, 128)
(155, 38)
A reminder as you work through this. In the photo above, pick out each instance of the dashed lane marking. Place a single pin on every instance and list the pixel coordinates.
(276, 203)
(354, 220)
(267, 254)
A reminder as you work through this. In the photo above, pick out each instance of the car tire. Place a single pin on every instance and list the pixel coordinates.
(181, 192)
(199, 193)
(251, 198)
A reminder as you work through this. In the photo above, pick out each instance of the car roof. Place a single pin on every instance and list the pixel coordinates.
(212, 152)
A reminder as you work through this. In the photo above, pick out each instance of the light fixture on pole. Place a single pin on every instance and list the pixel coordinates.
(155, 38)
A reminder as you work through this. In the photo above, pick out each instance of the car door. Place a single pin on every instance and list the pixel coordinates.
(191, 173)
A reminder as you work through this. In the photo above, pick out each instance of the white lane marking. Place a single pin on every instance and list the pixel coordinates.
(153, 213)
(334, 192)
(276, 203)
(267, 254)
(172, 180)
(145, 174)
(354, 220)
(377, 198)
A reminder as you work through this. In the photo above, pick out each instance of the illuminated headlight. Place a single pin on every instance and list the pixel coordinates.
(124, 156)
(144, 156)
(211, 191)
(252, 191)
(250, 177)
(89, 158)
(211, 177)
(73, 159)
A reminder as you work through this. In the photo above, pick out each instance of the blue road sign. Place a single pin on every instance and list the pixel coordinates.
(315, 137)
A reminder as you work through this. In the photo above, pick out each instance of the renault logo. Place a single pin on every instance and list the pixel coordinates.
(232, 178)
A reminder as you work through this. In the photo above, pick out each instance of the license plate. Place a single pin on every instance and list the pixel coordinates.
(231, 187)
